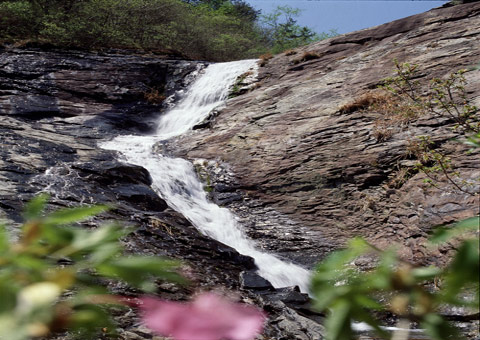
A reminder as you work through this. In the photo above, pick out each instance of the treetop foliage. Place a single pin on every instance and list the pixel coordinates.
(216, 30)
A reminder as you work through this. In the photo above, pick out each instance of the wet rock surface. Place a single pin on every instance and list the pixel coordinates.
(55, 107)
(312, 174)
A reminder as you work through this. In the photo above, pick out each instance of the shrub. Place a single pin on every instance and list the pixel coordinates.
(17, 20)
(282, 31)
(398, 287)
(445, 98)
(365, 101)
(264, 58)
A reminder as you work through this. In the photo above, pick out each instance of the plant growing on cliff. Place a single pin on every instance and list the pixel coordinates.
(54, 276)
(435, 164)
(410, 292)
(155, 96)
(237, 88)
(403, 99)
(445, 99)
(414, 294)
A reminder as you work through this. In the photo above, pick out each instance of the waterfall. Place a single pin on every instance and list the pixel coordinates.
(175, 179)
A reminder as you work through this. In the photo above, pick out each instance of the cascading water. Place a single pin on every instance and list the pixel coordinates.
(176, 182)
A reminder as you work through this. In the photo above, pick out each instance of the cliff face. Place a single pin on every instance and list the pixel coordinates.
(325, 170)
(55, 107)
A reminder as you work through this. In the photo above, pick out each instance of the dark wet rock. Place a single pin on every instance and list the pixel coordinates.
(55, 108)
(140, 196)
(207, 122)
(251, 280)
(224, 188)
(111, 172)
(230, 254)
(109, 91)
(288, 321)
(290, 296)
(226, 198)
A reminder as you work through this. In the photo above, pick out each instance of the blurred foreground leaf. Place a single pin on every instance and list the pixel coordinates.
(50, 280)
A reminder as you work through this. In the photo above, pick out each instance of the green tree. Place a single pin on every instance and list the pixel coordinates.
(283, 32)
(17, 19)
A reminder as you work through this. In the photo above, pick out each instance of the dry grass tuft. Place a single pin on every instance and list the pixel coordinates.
(400, 177)
(395, 113)
(154, 96)
(264, 58)
(382, 131)
(367, 101)
(306, 57)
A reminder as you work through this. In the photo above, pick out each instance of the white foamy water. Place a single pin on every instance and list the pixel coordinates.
(176, 181)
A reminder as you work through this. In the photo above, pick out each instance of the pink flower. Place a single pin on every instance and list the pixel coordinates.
(208, 317)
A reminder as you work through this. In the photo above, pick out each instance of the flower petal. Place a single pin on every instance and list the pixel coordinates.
(209, 317)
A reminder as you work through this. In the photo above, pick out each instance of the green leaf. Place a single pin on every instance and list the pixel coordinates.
(35, 207)
(4, 240)
(138, 270)
(439, 329)
(338, 322)
(426, 273)
(380, 278)
(474, 141)
(32, 264)
(8, 295)
(92, 240)
(464, 270)
(89, 320)
(326, 294)
(104, 252)
(362, 315)
(443, 234)
(10, 328)
(367, 302)
(71, 215)
(333, 267)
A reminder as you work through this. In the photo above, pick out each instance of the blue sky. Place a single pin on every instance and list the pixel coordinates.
(348, 15)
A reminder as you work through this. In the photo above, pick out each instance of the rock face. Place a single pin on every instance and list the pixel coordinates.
(296, 155)
(55, 107)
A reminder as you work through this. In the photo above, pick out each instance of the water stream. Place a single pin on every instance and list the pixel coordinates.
(175, 179)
